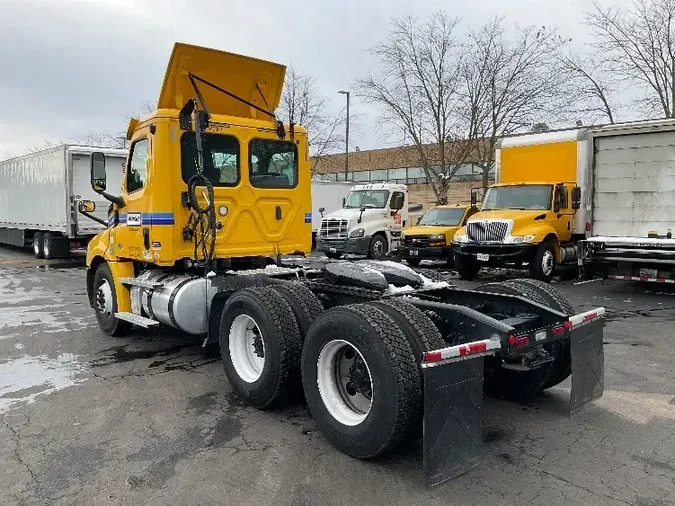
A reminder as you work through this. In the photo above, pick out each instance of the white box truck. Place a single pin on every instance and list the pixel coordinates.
(327, 197)
(39, 194)
(631, 205)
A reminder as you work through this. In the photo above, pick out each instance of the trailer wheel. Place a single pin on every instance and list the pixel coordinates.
(37, 244)
(47, 246)
(413, 262)
(305, 304)
(105, 303)
(542, 265)
(260, 345)
(361, 381)
(520, 385)
(466, 267)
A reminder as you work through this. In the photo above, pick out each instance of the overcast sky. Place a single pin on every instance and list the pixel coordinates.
(74, 66)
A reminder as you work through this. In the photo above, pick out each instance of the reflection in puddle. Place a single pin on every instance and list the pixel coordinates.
(23, 379)
(52, 318)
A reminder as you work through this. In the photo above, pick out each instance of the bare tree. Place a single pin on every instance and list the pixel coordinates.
(416, 89)
(639, 41)
(303, 104)
(509, 85)
(591, 84)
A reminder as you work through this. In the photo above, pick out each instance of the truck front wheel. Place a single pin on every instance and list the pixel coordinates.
(466, 267)
(378, 247)
(542, 265)
(361, 381)
(105, 303)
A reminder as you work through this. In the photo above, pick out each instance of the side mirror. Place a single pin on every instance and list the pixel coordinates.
(86, 206)
(398, 201)
(322, 209)
(474, 197)
(97, 172)
(556, 206)
(576, 197)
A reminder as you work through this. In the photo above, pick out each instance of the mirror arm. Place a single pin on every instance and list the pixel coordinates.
(92, 217)
(119, 201)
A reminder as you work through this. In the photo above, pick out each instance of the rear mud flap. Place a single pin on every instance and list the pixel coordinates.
(588, 363)
(453, 402)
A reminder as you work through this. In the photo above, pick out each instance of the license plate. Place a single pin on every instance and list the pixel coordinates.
(482, 257)
(649, 273)
(332, 250)
(413, 252)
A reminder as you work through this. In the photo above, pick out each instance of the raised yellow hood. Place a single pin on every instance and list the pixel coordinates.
(257, 81)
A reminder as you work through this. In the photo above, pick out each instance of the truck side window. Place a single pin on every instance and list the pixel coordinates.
(273, 164)
(137, 174)
(562, 197)
(220, 155)
(397, 199)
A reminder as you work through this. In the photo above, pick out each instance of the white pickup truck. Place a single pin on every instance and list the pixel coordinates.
(369, 223)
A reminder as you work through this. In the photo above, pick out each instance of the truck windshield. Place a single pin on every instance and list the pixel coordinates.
(448, 217)
(367, 198)
(518, 197)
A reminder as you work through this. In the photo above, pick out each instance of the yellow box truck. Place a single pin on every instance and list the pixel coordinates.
(532, 216)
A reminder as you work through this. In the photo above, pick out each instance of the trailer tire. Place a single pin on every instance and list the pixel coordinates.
(268, 382)
(413, 262)
(431, 275)
(466, 267)
(37, 244)
(305, 304)
(521, 385)
(366, 337)
(105, 303)
(47, 246)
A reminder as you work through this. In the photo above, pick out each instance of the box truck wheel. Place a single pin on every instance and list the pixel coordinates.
(37, 244)
(466, 267)
(361, 381)
(543, 262)
(105, 303)
(260, 345)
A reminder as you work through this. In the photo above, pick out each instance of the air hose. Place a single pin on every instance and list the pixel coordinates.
(204, 218)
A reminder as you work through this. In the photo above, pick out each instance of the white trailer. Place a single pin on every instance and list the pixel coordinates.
(39, 194)
(632, 202)
(329, 196)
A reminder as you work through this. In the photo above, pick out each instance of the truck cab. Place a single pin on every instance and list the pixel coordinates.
(531, 217)
(369, 223)
(432, 237)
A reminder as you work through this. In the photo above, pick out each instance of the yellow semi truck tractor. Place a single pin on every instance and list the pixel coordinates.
(532, 216)
(216, 192)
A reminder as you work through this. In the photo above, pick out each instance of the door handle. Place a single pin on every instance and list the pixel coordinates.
(146, 238)
(278, 212)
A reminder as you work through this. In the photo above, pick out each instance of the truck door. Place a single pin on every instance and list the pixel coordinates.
(131, 237)
(396, 214)
(563, 212)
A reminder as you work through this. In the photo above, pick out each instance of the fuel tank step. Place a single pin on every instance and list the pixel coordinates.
(136, 319)
(141, 282)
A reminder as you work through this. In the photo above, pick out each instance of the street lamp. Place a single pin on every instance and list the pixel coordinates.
(342, 92)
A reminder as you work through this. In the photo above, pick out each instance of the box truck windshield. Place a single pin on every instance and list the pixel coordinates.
(518, 197)
(367, 198)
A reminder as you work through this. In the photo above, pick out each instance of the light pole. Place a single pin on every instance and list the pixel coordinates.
(342, 92)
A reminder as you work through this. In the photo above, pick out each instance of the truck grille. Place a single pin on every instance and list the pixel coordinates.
(419, 241)
(487, 231)
(332, 228)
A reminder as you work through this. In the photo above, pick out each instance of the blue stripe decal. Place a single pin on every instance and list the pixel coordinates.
(147, 219)
(308, 217)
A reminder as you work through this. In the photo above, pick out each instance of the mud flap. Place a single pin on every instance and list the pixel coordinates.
(588, 363)
(453, 401)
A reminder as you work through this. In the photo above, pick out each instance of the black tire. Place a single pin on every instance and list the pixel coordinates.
(280, 336)
(520, 385)
(396, 403)
(413, 262)
(378, 247)
(333, 256)
(556, 297)
(37, 244)
(305, 304)
(466, 267)
(48, 246)
(108, 322)
(537, 271)
(431, 274)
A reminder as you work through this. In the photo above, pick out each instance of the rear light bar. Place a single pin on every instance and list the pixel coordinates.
(581, 318)
(461, 351)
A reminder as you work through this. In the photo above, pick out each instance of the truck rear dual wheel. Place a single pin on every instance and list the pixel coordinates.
(361, 380)
(521, 385)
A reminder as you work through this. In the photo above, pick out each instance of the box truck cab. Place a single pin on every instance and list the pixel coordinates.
(531, 217)
(369, 223)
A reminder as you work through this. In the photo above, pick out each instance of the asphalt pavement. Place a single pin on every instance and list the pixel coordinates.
(150, 419)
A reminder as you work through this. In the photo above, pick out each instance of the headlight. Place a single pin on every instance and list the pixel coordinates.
(519, 239)
(357, 233)
(460, 238)
(439, 237)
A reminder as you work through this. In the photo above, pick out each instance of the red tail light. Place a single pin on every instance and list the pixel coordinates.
(588, 226)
